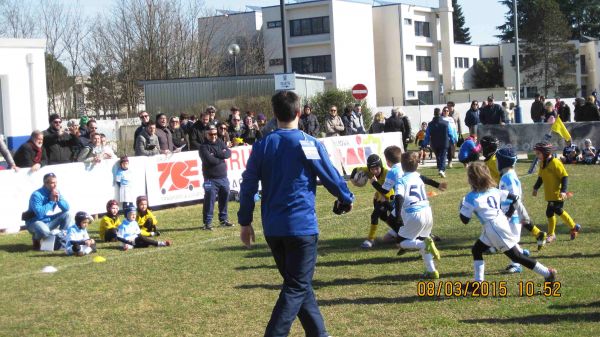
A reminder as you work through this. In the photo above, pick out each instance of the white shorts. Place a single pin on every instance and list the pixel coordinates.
(498, 234)
(416, 224)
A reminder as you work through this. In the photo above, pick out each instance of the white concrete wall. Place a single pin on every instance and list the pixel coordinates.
(353, 57)
(23, 85)
(462, 78)
(390, 57)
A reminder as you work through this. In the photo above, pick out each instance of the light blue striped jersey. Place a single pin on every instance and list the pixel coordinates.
(393, 177)
(486, 205)
(510, 182)
(412, 189)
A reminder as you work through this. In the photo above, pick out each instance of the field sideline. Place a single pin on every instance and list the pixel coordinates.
(206, 284)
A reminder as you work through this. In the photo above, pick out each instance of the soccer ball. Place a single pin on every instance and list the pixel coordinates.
(360, 179)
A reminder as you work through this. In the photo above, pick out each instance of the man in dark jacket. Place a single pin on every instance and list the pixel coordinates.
(439, 135)
(308, 122)
(472, 118)
(213, 153)
(145, 118)
(537, 109)
(165, 138)
(198, 129)
(58, 142)
(492, 113)
(347, 120)
(564, 111)
(589, 112)
(394, 123)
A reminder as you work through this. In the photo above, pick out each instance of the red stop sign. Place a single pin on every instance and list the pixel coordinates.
(359, 91)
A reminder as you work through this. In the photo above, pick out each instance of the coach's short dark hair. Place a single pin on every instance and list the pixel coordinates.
(286, 104)
(393, 154)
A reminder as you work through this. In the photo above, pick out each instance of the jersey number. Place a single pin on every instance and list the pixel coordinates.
(492, 202)
(415, 191)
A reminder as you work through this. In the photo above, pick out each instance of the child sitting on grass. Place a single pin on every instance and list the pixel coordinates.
(78, 240)
(110, 222)
(129, 233)
(145, 218)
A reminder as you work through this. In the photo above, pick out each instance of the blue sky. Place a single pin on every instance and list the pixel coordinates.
(482, 16)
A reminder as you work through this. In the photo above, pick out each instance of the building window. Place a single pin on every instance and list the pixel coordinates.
(423, 63)
(274, 24)
(407, 21)
(528, 92)
(309, 26)
(582, 62)
(461, 62)
(584, 90)
(426, 97)
(276, 62)
(311, 64)
(474, 61)
(411, 93)
(409, 57)
(422, 29)
(466, 62)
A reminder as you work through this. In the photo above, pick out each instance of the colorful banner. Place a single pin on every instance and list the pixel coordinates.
(164, 179)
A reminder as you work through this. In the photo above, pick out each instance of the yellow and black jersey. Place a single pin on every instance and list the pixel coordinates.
(552, 175)
(381, 179)
(142, 219)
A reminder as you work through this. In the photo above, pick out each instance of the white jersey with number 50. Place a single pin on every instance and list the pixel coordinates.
(412, 189)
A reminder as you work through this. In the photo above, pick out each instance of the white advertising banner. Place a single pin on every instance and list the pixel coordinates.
(164, 179)
(348, 152)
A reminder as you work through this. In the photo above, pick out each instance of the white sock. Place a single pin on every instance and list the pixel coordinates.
(428, 260)
(87, 250)
(412, 244)
(520, 249)
(541, 269)
(479, 266)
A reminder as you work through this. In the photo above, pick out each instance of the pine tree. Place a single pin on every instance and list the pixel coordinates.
(461, 33)
(548, 57)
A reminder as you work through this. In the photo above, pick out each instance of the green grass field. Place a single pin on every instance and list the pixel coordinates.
(206, 284)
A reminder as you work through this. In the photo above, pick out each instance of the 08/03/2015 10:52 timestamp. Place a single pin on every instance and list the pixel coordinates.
(486, 289)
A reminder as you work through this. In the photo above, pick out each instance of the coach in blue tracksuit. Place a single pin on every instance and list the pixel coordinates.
(439, 135)
(287, 162)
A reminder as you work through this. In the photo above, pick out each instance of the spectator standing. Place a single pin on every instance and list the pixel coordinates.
(144, 118)
(287, 162)
(564, 112)
(347, 119)
(549, 113)
(589, 111)
(472, 118)
(32, 153)
(537, 109)
(212, 113)
(7, 156)
(394, 123)
(378, 125)
(439, 136)
(123, 181)
(198, 129)
(234, 112)
(261, 120)
(456, 116)
(251, 133)
(57, 142)
(309, 122)
(357, 119)
(452, 148)
(578, 109)
(92, 153)
(48, 212)
(235, 131)
(492, 113)
(147, 142)
(213, 153)
(177, 134)
(165, 138)
(334, 126)
(185, 123)
(595, 94)
(223, 134)
(406, 129)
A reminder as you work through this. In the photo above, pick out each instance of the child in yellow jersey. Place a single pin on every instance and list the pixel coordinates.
(110, 222)
(381, 203)
(145, 218)
(553, 175)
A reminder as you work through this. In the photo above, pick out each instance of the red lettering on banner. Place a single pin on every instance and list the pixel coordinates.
(235, 158)
(351, 157)
(183, 175)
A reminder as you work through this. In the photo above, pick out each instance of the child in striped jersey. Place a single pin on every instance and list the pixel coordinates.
(485, 202)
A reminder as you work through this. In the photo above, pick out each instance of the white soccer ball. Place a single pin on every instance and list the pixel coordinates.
(360, 179)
